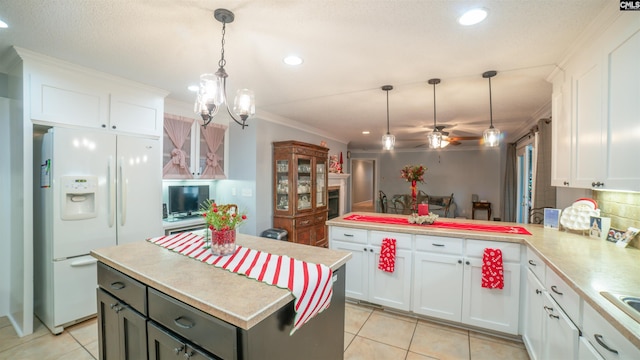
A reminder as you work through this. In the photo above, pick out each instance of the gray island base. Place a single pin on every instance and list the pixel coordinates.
(155, 303)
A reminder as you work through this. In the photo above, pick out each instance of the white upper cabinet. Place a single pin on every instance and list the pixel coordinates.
(596, 112)
(63, 93)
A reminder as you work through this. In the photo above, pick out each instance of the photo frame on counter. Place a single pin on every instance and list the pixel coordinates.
(599, 227)
(551, 218)
(627, 236)
(614, 234)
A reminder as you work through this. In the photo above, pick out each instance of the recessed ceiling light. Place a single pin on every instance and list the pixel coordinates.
(366, 132)
(292, 60)
(3, 25)
(472, 17)
(193, 88)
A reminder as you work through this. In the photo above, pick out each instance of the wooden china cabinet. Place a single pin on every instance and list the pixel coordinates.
(300, 191)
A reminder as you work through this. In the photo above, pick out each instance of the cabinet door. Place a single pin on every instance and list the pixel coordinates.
(561, 135)
(210, 150)
(534, 316)
(303, 184)
(176, 147)
(494, 309)
(623, 113)
(136, 111)
(561, 336)
(108, 326)
(282, 181)
(320, 183)
(133, 329)
(437, 285)
(164, 345)
(391, 289)
(588, 125)
(62, 96)
(357, 281)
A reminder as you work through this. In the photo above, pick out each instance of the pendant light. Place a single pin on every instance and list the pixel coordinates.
(213, 87)
(435, 137)
(491, 136)
(388, 140)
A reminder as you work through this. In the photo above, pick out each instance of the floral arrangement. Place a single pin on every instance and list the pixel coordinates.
(422, 219)
(413, 173)
(222, 217)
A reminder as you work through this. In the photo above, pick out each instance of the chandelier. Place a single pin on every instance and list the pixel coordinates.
(212, 93)
(388, 140)
(491, 135)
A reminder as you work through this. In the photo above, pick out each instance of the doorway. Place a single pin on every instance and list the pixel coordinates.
(363, 185)
(524, 165)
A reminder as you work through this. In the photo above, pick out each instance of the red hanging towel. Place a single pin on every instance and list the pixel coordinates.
(387, 255)
(492, 269)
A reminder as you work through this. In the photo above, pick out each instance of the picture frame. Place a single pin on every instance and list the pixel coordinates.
(614, 235)
(551, 218)
(627, 236)
(599, 227)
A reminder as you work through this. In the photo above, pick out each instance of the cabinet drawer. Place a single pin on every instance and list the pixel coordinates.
(536, 265)
(403, 241)
(211, 334)
(510, 251)
(305, 221)
(349, 234)
(603, 335)
(125, 288)
(439, 244)
(568, 299)
(320, 218)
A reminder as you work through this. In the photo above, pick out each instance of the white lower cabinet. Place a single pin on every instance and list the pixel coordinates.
(456, 292)
(560, 334)
(364, 281)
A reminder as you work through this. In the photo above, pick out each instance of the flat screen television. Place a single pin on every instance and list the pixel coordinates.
(185, 200)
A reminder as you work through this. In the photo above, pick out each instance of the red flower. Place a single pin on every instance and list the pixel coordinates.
(244, 217)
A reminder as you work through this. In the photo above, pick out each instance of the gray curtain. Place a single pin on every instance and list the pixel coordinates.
(509, 200)
(545, 194)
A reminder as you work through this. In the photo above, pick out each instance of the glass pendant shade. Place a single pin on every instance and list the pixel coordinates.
(210, 95)
(435, 139)
(491, 137)
(244, 104)
(388, 141)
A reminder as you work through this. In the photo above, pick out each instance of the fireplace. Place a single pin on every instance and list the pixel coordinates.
(334, 202)
(338, 181)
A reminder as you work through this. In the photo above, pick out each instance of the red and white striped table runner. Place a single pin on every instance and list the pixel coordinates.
(310, 284)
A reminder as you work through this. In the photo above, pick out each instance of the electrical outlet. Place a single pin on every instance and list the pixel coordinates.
(233, 191)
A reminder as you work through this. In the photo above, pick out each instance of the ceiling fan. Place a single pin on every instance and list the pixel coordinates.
(451, 140)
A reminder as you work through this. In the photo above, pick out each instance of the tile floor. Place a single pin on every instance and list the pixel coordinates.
(370, 334)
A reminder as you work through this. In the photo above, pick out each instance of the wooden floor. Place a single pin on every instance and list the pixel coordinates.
(364, 206)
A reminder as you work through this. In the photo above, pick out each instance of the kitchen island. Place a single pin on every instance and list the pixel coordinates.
(186, 306)
(586, 266)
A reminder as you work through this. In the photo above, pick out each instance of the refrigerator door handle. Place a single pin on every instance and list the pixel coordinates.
(112, 191)
(123, 193)
(84, 262)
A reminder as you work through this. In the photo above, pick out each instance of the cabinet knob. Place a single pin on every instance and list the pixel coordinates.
(113, 127)
(104, 126)
(467, 262)
(597, 184)
(459, 261)
(178, 350)
(538, 292)
(566, 183)
(371, 250)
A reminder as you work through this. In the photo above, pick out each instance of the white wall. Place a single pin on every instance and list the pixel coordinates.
(5, 191)
(362, 171)
(461, 172)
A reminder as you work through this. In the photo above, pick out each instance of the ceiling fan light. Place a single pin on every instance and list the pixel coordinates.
(444, 143)
(435, 139)
(491, 137)
(388, 141)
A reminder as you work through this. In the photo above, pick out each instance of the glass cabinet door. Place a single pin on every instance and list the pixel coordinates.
(282, 190)
(304, 184)
(321, 192)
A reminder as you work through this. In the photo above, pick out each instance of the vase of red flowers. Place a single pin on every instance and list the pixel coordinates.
(222, 221)
(413, 174)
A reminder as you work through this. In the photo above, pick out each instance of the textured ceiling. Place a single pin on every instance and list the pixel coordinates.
(350, 49)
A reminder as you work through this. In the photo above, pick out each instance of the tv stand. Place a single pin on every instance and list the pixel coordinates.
(184, 224)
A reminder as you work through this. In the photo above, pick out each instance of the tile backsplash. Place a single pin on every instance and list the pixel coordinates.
(623, 208)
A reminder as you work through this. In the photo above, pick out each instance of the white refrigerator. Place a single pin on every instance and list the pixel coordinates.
(96, 189)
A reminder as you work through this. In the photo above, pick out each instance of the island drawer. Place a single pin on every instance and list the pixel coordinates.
(204, 330)
(439, 244)
(125, 288)
(565, 296)
(403, 241)
(349, 234)
(536, 265)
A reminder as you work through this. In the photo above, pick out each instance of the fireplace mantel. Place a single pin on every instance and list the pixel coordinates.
(341, 181)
